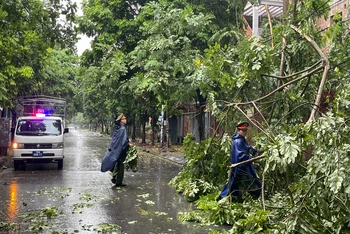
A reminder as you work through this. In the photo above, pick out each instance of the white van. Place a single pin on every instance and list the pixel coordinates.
(38, 139)
(38, 135)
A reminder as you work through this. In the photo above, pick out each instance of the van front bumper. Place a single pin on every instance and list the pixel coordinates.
(37, 154)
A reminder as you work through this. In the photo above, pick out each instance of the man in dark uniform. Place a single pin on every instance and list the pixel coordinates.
(243, 177)
(117, 152)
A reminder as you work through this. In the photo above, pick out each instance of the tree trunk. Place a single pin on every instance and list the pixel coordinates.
(202, 102)
(200, 124)
(143, 132)
(133, 135)
(153, 123)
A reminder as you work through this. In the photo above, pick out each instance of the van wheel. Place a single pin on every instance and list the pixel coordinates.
(60, 164)
(16, 164)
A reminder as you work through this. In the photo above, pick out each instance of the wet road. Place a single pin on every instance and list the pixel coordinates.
(81, 199)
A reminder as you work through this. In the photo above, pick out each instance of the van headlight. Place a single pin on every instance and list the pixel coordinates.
(57, 145)
(16, 145)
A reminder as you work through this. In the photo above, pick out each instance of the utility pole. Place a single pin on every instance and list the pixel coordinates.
(162, 129)
(256, 20)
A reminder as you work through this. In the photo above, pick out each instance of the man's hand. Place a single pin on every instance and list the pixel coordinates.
(253, 151)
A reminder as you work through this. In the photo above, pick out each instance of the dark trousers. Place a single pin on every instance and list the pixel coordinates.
(243, 182)
(118, 173)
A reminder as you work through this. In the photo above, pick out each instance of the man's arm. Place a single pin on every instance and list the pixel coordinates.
(252, 151)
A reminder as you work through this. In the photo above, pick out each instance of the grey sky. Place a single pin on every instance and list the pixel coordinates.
(84, 42)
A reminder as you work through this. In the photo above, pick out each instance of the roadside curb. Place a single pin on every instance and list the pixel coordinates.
(5, 162)
(176, 157)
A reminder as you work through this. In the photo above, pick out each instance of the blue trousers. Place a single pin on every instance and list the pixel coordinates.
(242, 182)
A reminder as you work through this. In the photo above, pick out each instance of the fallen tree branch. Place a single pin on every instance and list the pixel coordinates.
(261, 114)
(270, 22)
(301, 200)
(325, 64)
(294, 74)
(247, 161)
(243, 113)
(279, 88)
(283, 56)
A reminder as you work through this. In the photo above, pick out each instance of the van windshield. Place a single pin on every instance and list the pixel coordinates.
(39, 127)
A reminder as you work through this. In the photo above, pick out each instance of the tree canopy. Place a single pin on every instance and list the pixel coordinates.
(29, 29)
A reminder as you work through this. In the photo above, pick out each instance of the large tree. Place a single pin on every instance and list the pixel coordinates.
(175, 36)
(27, 30)
(161, 41)
(114, 30)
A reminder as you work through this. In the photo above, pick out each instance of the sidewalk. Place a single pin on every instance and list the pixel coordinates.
(174, 155)
(5, 162)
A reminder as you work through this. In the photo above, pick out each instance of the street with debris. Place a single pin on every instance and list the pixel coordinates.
(38, 198)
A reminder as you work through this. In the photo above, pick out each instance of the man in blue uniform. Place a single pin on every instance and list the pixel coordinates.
(117, 152)
(243, 178)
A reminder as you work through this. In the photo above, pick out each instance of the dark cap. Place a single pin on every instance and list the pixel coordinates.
(242, 125)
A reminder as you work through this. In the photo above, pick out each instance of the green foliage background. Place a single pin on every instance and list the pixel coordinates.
(29, 32)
